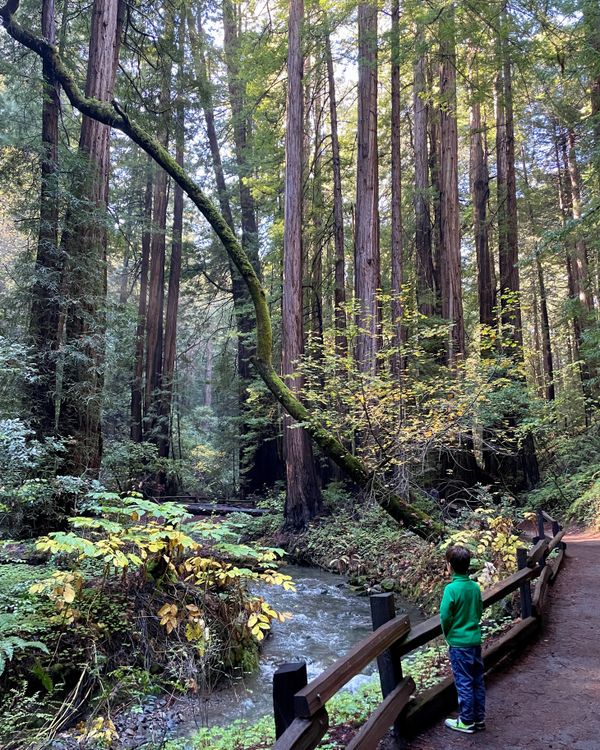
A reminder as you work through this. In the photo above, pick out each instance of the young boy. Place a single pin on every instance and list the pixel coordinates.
(460, 615)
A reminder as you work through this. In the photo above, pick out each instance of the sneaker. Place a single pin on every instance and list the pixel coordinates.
(458, 725)
(479, 726)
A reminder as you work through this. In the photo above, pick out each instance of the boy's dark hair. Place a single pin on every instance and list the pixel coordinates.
(459, 558)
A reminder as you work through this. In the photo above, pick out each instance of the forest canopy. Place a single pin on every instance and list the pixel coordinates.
(403, 205)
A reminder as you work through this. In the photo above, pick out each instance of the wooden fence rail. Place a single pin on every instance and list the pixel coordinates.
(300, 708)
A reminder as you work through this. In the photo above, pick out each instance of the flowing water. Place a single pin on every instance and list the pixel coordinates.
(328, 618)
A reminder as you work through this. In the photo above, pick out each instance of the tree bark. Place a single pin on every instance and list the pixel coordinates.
(450, 262)
(170, 340)
(137, 389)
(303, 498)
(84, 243)
(423, 239)
(397, 245)
(547, 360)
(580, 258)
(508, 240)
(367, 274)
(45, 292)
(241, 131)
(480, 191)
(339, 299)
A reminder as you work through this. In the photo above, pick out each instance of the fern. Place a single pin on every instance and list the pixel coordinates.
(20, 614)
(13, 642)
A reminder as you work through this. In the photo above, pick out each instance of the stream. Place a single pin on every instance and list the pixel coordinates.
(328, 618)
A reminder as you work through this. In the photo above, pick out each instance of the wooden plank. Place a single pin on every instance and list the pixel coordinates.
(382, 719)
(315, 695)
(499, 590)
(548, 517)
(516, 637)
(539, 594)
(537, 553)
(555, 541)
(419, 635)
(556, 563)
(304, 734)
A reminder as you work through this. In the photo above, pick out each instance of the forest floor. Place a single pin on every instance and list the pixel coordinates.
(548, 697)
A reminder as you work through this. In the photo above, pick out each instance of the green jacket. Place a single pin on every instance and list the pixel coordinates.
(460, 612)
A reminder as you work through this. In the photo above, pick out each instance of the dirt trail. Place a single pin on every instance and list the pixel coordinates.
(548, 698)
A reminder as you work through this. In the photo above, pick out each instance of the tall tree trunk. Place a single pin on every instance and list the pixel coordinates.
(153, 417)
(434, 135)
(241, 130)
(508, 241)
(137, 389)
(397, 247)
(423, 248)
(367, 272)
(84, 243)
(317, 209)
(303, 499)
(262, 466)
(564, 202)
(547, 361)
(170, 342)
(45, 306)
(480, 191)
(580, 258)
(339, 298)
(450, 270)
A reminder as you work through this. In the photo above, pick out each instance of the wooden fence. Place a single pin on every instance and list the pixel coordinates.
(300, 709)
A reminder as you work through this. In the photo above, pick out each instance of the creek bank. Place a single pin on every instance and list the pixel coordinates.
(328, 618)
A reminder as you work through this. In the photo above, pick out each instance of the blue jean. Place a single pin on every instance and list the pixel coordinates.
(467, 667)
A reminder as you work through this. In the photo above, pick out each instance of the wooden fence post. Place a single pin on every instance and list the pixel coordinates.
(556, 527)
(389, 663)
(540, 524)
(288, 679)
(525, 587)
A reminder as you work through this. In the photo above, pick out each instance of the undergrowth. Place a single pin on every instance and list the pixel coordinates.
(570, 490)
(131, 597)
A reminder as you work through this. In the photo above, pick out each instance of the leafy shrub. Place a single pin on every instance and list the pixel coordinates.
(491, 537)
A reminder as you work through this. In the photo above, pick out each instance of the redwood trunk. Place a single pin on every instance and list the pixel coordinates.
(480, 190)
(580, 257)
(84, 243)
(423, 239)
(367, 263)
(170, 341)
(137, 399)
(303, 499)
(508, 241)
(339, 300)
(45, 306)
(547, 361)
(397, 240)
(450, 270)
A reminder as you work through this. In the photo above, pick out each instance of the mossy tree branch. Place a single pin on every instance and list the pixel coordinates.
(113, 115)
